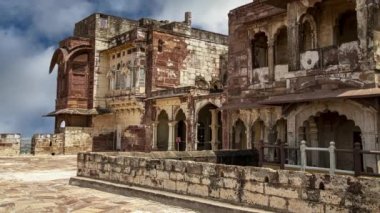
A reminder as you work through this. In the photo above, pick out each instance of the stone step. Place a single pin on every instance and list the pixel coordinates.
(184, 201)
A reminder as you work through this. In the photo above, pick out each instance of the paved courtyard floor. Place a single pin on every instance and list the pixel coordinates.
(41, 184)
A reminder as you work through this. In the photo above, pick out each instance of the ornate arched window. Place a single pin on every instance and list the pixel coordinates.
(260, 50)
(346, 30)
(281, 46)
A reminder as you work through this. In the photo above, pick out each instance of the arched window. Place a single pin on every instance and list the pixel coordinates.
(79, 63)
(62, 124)
(307, 36)
(281, 46)
(260, 50)
(347, 30)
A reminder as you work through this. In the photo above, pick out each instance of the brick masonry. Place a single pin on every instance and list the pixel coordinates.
(280, 190)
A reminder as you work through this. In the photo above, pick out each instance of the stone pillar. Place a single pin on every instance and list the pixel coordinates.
(171, 135)
(314, 142)
(362, 15)
(369, 143)
(249, 138)
(196, 137)
(225, 130)
(214, 129)
(154, 139)
(293, 37)
(271, 60)
(118, 137)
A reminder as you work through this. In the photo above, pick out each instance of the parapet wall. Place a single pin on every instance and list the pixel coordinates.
(10, 144)
(282, 190)
(71, 141)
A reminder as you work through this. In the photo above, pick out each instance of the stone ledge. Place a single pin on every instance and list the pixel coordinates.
(198, 204)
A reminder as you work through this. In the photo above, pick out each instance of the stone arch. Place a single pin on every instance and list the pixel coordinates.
(308, 32)
(257, 131)
(253, 32)
(208, 123)
(363, 116)
(204, 103)
(281, 45)
(60, 56)
(326, 126)
(178, 110)
(163, 131)
(180, 130)
(242, 118)
(79, 51)
(346, 29)
(239, 140)
(260, 46)
(166, 110)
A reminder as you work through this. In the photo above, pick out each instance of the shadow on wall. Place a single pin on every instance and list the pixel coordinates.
(238, 158)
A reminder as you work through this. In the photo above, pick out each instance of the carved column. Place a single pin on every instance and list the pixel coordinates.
(313, 137)
(369, 143)
(249, 138)
(362, 25)
(154, 145)
(293, 37)
(226, 137)
(171, 135)
(214, 129)
(271, 60)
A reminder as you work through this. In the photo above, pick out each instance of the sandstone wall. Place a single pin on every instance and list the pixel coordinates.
(250, 186)
(47, 144)
(71, 141)
(10, 144)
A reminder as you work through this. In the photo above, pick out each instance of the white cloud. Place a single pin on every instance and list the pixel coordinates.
(47, 18)
(28, 28)
(26, 89)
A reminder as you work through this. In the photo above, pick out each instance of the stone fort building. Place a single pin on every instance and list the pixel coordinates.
(291, 70)
(140, 85)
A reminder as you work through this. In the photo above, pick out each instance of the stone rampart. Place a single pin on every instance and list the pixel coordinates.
(71, 141)
(282, 190)
(10, 144)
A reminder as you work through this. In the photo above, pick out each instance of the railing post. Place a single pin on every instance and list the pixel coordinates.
(282, 155)
(303, 155)
(332, 158)
(357, 158)
(261, 153)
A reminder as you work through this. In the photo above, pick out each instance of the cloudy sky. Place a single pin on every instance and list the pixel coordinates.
(31, 29)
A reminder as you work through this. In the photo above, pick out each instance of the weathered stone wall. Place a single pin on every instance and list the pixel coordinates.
(204, 60)
(71, 141)
(328, 63)
(183, 59)
(47, 144)
(10, 144)
(250, 186)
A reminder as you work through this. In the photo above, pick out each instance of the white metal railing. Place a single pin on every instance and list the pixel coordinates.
(332, 153)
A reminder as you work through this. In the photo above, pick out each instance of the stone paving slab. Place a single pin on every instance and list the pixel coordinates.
(40, 184)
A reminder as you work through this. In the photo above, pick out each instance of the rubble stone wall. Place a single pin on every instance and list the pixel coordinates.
(71, 141)
(47, 144)
(281, 190)
(10, 144)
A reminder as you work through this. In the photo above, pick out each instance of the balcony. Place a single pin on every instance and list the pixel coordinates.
(344, 57)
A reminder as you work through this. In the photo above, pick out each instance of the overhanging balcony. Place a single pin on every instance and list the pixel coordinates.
(346, 56)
